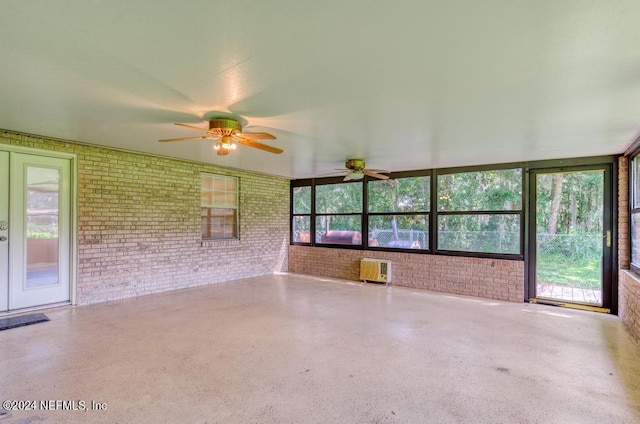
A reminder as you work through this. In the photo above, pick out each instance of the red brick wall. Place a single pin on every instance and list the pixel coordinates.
(629, 301)
(488, 278)
(623, 213)
(139, 223)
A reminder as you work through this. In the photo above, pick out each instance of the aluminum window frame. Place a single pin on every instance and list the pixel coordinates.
(336, 181)
(428, 213)
(634, 204)
(514, 212)
(433, 213)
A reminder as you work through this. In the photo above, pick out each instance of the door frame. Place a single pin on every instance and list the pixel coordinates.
(609, 165)
(73, 224)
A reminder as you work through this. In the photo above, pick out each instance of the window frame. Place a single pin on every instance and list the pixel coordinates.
(432, 213)
(335, 181)
(519, 212)
(634, 209)
(213, 207)
(427, 213)
(298, 184)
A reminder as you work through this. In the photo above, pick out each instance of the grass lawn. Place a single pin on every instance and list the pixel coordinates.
(569, 272)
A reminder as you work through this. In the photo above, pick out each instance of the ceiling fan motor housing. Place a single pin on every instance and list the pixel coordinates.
(231, 125)
(355, 164)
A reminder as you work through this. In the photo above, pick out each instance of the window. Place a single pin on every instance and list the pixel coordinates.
(301, 209)
(338, 213)
(634, 186)
(219, 207)
(471, 213)
(480, 211)
(398, 213)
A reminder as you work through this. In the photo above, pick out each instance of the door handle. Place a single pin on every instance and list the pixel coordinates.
(608, 237)
(3, 238)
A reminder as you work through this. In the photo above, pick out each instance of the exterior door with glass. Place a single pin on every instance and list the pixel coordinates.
(35, 196)
(571, 243)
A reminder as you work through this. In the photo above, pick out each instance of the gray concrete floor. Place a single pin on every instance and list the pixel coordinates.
(301, 349)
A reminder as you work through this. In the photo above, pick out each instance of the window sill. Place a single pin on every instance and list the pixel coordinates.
(219, 242)
(633, 273)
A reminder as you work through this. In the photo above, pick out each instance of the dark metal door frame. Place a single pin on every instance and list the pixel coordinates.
(610, 254)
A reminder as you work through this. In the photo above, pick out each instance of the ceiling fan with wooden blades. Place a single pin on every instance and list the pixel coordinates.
(228, 133)
(355, 170)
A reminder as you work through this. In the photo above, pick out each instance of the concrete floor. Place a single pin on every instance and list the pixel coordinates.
(300, 349)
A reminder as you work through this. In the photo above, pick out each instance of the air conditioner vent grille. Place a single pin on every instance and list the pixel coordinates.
(375, 270)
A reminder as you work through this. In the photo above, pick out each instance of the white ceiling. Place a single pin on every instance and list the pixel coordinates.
(402, 84)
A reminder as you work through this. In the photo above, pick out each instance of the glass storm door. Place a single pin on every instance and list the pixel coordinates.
(571, 246)
(36, 254)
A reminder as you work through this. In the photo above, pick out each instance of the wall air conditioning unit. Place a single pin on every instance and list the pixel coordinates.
(375, 270)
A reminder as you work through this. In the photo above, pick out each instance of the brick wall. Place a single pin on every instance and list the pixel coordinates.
(623, 213)
(629, 301)
(628, 282)
(139, 223)
(488, 278)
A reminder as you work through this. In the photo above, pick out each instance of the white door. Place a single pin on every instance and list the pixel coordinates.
(4, 230)
(39, 221)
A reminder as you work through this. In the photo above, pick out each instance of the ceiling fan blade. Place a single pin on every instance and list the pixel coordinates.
(257, 135)
(260, 146)
(374, 174)
(202, 137)
(378, 171)
(191, 126)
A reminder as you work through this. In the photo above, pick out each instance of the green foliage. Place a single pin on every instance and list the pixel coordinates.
(400, 195)
(566, 271)
(301, 223)
(409, 228)
(479, 233)
(339, 198)
(574, 247)
(35, 235)
(492, 190)
(581, 203)
(569, 253)
(302, 200)
(338, 222)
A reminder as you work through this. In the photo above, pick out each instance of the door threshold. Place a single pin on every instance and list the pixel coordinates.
(33, 308)
(564, 304)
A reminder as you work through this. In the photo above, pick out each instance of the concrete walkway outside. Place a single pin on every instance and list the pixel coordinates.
(300, 349)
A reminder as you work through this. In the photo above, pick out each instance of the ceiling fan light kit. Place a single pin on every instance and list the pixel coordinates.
(228, 134)
(355, 175)
(225, 146)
